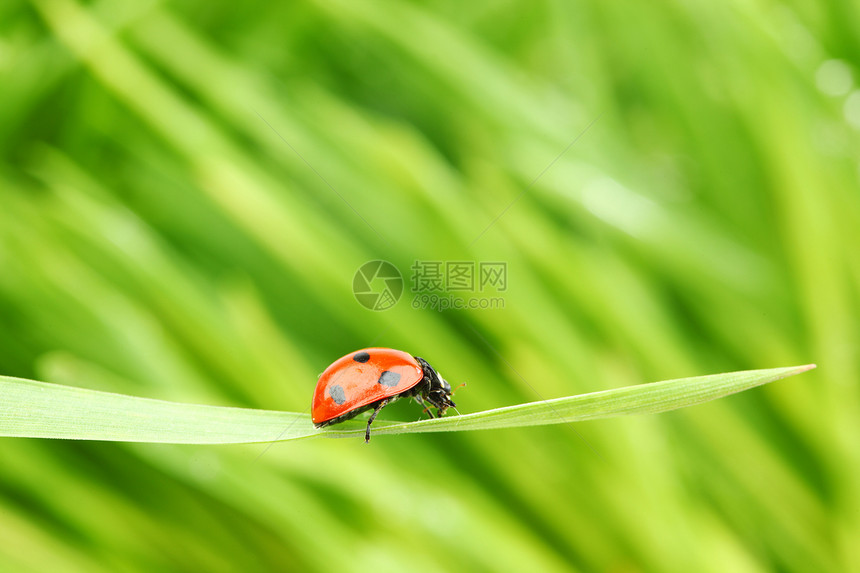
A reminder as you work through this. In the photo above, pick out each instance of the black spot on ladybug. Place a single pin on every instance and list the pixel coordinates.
(337, 394)
(361, 357)
(389, 378)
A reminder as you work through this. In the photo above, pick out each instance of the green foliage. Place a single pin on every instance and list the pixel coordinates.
(187, 189)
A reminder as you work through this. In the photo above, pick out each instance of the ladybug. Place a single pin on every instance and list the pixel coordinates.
(372, 378)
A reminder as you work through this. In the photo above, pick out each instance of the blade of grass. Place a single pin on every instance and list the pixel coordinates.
(42, 410)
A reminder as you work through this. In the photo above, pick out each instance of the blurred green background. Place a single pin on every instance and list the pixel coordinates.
(186, 190)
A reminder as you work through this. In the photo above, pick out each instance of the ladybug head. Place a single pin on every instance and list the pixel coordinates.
(437, 391)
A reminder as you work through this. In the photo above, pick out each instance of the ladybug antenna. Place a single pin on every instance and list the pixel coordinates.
(457, 387)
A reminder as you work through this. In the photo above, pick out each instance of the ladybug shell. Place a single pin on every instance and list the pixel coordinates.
(361, 378)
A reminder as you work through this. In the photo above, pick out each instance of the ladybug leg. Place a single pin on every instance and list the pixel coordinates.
(427, 410)
(382, 404)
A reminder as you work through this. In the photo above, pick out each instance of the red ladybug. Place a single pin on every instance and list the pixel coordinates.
(372, 378)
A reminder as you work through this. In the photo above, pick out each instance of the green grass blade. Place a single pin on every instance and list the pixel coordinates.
(41, 410)
(650, 398)
(35, 409)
